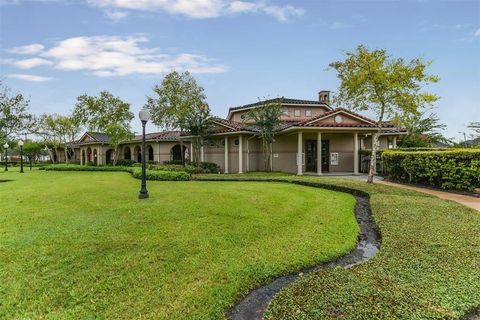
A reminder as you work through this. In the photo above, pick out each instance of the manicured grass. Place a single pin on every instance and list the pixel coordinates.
(80, 245)
(427, 266)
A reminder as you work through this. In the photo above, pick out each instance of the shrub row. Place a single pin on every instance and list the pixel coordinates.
(135, 172)
(447, 169)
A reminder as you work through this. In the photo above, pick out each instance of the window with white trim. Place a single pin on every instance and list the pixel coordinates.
(297, 113)
(308, 113)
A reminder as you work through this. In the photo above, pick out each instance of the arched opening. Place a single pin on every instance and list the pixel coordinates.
(70, 153)
(127, 153)
(150, 153)
(176, 154)
(95, 156)
(109, 156)
(138, 154)
(89, 156)
(83, 157)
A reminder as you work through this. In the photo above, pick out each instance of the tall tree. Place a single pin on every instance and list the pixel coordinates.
(423, 130)
(475, 126)
(14, 115)
(105, 113)
(67, 129)
(389, 87)
(178, 103)
(46, 127)
(267, 120)
(197, 124)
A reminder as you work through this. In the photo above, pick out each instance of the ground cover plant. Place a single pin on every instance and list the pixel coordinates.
(427, 266)
(80, 245)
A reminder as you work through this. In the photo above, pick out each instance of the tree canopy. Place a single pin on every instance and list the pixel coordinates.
(372, 80)
(179, 103)
(424, 130)
(267, 120)
(14, 113)
(105, 113)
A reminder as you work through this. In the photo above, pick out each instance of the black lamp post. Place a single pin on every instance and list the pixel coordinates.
(5, 146)
(144, 116)
(20, 144)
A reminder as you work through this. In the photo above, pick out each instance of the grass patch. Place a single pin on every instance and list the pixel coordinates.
(427, 267)
(80, 245)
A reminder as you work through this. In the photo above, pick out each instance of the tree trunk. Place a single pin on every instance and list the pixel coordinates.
(115, 155)
(66, 155)
(182, 154)
(265, 155)
(373, 158)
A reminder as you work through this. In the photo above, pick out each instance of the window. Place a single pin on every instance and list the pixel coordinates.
(297, 113)
(308, 113)
(390, 142)
(236, 142)
(285, 112)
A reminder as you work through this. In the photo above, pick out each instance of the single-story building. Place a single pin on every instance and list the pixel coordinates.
(313, 137)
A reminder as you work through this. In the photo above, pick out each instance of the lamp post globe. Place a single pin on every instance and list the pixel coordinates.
(20, 144)
(5, 146)
(144, 116)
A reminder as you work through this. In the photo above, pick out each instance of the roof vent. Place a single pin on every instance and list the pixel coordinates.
(324, 96)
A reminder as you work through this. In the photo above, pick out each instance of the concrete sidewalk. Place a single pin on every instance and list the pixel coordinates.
(469, 201)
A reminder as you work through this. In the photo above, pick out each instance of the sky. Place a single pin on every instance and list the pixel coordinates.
(52, 51)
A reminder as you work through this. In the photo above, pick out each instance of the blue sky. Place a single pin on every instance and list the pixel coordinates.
(54, 51)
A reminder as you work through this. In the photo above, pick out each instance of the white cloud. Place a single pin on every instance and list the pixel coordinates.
(30, 63)
(30, 49)
(202, 8)
(117, 56)
(477, 33)
(338, 25)
(29, 77)
(116, 15)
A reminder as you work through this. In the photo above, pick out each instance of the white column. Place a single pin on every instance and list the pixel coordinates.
(319, 153)
(81, 160)
(240, 154)
(300, 154)
(202, 153)
(248, 155)
(190, 154)
(355, 153)
(226, 155)
(394, 142)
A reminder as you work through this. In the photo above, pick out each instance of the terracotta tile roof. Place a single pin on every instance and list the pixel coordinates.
(160, 136)
(283, 100)
(98, 137)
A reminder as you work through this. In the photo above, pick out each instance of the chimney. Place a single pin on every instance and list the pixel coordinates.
(324, 96)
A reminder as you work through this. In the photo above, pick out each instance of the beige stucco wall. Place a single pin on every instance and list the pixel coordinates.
(316, 111)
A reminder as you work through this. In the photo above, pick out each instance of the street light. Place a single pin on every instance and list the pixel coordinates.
(144, 116)
(5, 146)
(20, 144)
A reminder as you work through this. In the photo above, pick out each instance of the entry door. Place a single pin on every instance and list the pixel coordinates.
(325, 155)
(311, 155)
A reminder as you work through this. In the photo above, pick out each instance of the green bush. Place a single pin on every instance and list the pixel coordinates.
(73, 167)
(176, 167)
(162, 175)
(125, 162)
(135, 172)
(448, 169)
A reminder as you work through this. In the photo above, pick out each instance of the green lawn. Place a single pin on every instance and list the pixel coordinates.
(428, 266)
(80, 245)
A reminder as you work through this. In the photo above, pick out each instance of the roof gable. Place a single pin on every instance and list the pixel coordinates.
(340, 117)
(284, 102)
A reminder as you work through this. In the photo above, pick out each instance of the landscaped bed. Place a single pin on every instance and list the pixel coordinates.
(427, 267)
(77, 245)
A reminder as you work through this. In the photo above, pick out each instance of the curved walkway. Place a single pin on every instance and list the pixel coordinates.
(253, 306)
(469, 201)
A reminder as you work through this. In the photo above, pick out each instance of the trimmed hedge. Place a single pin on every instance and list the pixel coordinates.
(447, 169)
(134, 171)
(162, 175)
